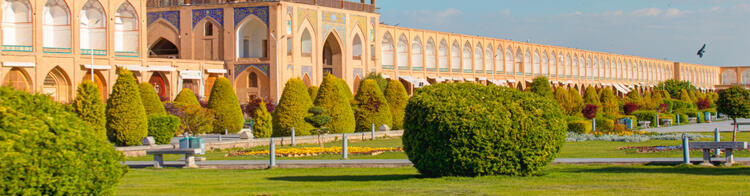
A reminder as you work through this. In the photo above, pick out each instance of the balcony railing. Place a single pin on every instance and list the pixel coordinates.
(341, 4)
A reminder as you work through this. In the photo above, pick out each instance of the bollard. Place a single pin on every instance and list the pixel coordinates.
(293, 139)
(372, 133)
(697, 117)
(678, 118)
(685, 149)
(272, 154)
(657, 121)
(717, 138)
(593, 125)
(344, 152)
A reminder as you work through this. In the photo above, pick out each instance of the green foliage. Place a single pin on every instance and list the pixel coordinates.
(313, 92)
(645, 115)
(382, 82)
(674, 87)
(541, 87)
(591, 97)
(579, 126)
(657, 99)
(685, 96)
(163, 127)
(576, 102)
(336, 105)
(467, 129)
(318, 118)
(345, 90)
(734, 102)
(372, 107)
(225, 106)
(683, 118)
(127, 123)
(647, 102)
(397, 98)
(48, 150)
(610, 105)
(292, 110)
(604, 125)
(150, 99)
(89, 107)
(634, 97)
(563, 99)
(263, 126)
(187, 96)
(194, 119)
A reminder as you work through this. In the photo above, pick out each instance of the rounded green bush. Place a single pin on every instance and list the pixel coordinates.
(187, 96)
(48, 150)
(579, 126)
(336, 105)
(263, 126)
(604, 124)
(225, 106)
(467, 129)
(127, 123)
(372, 108)
(540, 86)
(90, 108)
(646, 115)
(292, 110)
(150, 99)
(397, 98)
(163, 127)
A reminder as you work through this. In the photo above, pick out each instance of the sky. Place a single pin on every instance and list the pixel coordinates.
(662, 29)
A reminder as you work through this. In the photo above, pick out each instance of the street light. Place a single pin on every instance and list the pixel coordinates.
(91, 48)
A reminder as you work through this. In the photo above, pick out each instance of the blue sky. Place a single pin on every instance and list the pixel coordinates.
(662, 29)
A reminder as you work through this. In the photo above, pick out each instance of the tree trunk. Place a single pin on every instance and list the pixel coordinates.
(319, 142)
(735, 128)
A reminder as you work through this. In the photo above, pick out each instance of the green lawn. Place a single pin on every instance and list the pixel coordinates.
(556, 180)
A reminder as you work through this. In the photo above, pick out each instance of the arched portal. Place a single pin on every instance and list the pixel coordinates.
(161, 85)
(57, 85)
(356, 84)
(17, 28)
(17, 79)
(56, 26)
(209, 84)
(93, 28)
(332, 58)
(251, 84)
(163, 48)
(252, 39)
(126, 29)
(100, 83)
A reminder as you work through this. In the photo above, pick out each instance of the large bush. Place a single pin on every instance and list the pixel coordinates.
(345, 90)
(645, 115)
(610, 105)
(150, 99)
(576, 102)
(194, 119)
(225, 106)
(675, 86)
(263, 126)
(372, 108)
(540, 86)
(292, 110)
(563, 99)
(336, 105)
(163, 127)
(127, 123)
(467, 129)
(89, 107)
(397, 98)
(48, 150)
(590, 96)
(382, 82)
(579, 126)
(187, 96)
(313, 92)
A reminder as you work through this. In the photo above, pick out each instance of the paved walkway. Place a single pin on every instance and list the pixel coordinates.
(701, 127)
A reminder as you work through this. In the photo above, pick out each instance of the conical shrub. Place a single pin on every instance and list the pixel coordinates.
(127, 123)
(313, 92)
(591, 97)
(541, 87)
(150, 99)
(224, 104)
(263, 127)
(89, 107)
(576, 101)
(345, 90)
(187, 96)
(610, 107)
(396, 96)
(292, 110)
(372, 107)
(336, 105)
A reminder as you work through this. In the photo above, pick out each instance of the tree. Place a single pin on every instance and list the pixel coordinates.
(225, 106)
(382, 82)
(562, 97)
(318, 120)
(150, 99)
(657, 100)
(194, 119)
(576, 101)
(674, 87)
(313, 92)
(634, 97)
(734, 102)
(372, 107)
(336, 105)
(685, 96)
(540, 86)
(263, 123)
(187, 96)
(647, 102)
(292, 110)
(127, 123)
(591, 97)
(610, 107)
(89, 107)
(345, 89)
(589, 111)
(395, 95)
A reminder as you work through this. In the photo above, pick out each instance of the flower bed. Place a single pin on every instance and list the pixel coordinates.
(315, 151)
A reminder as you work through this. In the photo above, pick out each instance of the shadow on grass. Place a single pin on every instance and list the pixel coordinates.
(353, 178)
(680, 169)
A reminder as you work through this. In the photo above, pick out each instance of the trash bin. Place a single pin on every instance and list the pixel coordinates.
(627, 122)
(707, 116)
(193, 142)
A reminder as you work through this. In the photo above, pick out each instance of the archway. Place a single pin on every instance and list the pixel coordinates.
(57, 85)
(18, 79)
(56, 26)
(356, 84)
(93, 33)
(209, 84)
(161, 85)
(163, 48)
(210, 40)
(252, 39)
(126, 29)
(17, 28)
(332, 58)
(100, 83)
(307, 80)
(251, 84)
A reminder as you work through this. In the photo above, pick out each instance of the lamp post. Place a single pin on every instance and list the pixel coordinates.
(91, 48)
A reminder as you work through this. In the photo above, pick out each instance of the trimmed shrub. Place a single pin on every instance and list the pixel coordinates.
(382, 82)
(372, 108)
(683, 118)
(591, 97)
(48, 150)
(674, 87)
(163, 127)
(647, 103)
(263, 126)
(194, 119)
(703, 103)
(563, 99)
(151, 102)
(292, 110)
(610, 107)
(645, 115)
(336, 105)
(541, 87)
(89, 107)
(634, 97)
(347, 92)
(313, 92)
(187, 96)
(447, 132)
(579, 126)
(604, 125)
(397, 98)
(576, 102)
(127, 123)
(685, 96)
(225, 106)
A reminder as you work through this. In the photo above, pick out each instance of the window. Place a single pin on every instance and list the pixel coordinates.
(306, 43)
(357, 48)
(289, 46)
(209, 29)
(252, 80)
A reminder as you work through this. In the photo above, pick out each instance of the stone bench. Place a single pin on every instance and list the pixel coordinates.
(644, 124)
(727, 146)
(189, 156)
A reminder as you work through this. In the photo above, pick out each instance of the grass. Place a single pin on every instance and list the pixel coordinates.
(555, 180)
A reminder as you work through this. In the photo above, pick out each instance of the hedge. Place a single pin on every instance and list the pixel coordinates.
(89, 107)
(336, 105)
(397, 98)
(292, 110)
(163, 127)
(372, 108)
(263, 126)
(604, 125)
(645, 115)
(683, 118)
(579, 126)
(225, 106)
(150, 99)
(49, 150)
(448, 132)
(187, 96)
(127, 123)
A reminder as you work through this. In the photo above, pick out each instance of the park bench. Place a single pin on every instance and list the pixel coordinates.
(188, 152)
(693, 119)
(644, 124)
(666, 122)
(727, 146)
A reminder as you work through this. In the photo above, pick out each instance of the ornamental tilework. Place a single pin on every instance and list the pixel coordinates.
(239, 68)
(172, 17)
(310, 15)
(241, 13)
(332, 20)
(217, 14)
(360, 21)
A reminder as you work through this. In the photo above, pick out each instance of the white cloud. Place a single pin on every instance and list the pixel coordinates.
(674, 12)
(647, 12)
(613, 13)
